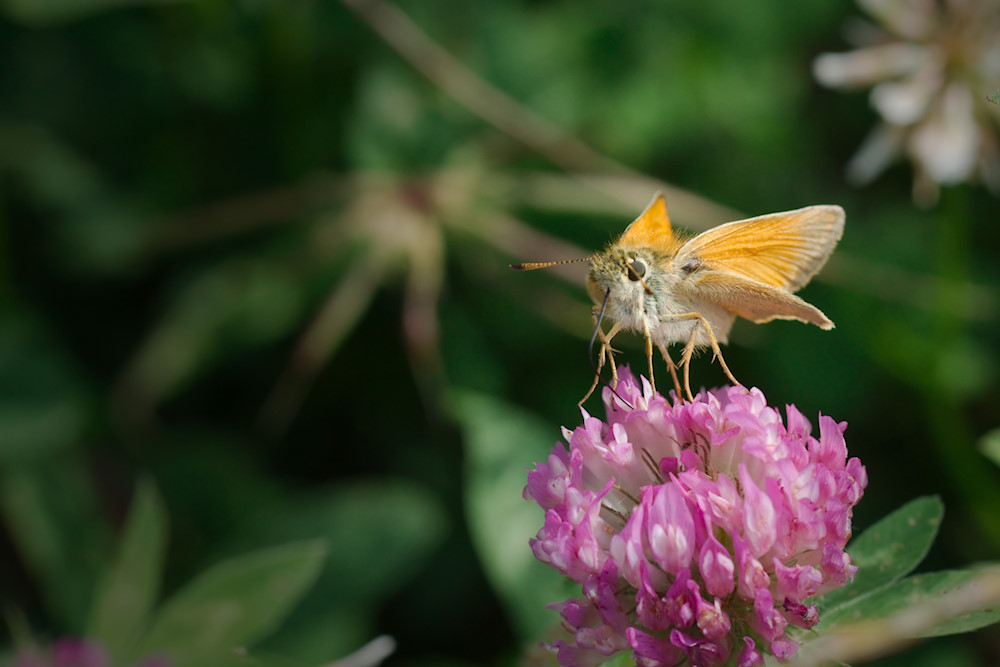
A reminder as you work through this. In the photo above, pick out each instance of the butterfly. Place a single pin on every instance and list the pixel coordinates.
(673, 288)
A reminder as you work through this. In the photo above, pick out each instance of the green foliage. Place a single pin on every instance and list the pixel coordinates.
(886, 551)
(52, 515)
(381, 533)
(929, 589)
(254, 254)
(497, 438)
(232, 604)
(43, 12)
(43, 402)
(989, 445)
(921, 605)
(126, 595)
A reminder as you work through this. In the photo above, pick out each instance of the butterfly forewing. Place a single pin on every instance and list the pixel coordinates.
(783, 250)
(652, 229)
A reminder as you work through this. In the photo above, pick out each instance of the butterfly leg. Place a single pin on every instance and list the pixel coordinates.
(649, 350)
(597, 379)
(689, 351)
(672, 367)
(606, 351)
(717, 351)
(597, 374)
(614, 369)
(606, 345)
(686, 364)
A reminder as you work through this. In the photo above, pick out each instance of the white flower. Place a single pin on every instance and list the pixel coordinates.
(931, 65)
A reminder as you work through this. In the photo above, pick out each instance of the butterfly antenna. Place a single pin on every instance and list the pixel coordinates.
(531, 266)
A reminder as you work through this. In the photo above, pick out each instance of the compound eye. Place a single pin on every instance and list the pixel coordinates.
(636, 269)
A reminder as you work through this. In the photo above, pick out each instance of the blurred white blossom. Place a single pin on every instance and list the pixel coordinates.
(931, 65)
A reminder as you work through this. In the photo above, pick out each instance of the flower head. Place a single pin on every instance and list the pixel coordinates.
(932, 65)
(698, 532)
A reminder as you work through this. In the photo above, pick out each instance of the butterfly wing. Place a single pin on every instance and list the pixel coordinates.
(651, 229)
(782, 250)
(756, 301)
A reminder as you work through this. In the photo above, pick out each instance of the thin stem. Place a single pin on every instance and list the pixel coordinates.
(344, 306)
(474, 93)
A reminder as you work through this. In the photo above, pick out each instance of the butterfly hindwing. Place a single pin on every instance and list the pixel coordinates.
(756, 301)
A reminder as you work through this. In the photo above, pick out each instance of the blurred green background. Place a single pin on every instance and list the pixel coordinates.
(257, 252)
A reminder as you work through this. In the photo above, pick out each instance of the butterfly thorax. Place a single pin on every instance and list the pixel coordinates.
(647, 289)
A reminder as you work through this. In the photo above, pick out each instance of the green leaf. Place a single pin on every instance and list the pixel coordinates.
(995, 97)
(42, 405)
(989, 445)
(982, 609)
(888, 550)
(381, 533)
(129, 588)
(52, 515)
(501, 443)
(927, 605)
(222, 311)
(315, 634)
(233, 604)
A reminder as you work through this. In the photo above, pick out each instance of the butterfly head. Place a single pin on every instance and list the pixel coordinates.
(626, 276)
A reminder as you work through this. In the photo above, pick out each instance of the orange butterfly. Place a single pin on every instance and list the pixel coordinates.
(674, 289)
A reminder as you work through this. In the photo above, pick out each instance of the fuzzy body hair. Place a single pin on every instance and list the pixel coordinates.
(671, 292)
